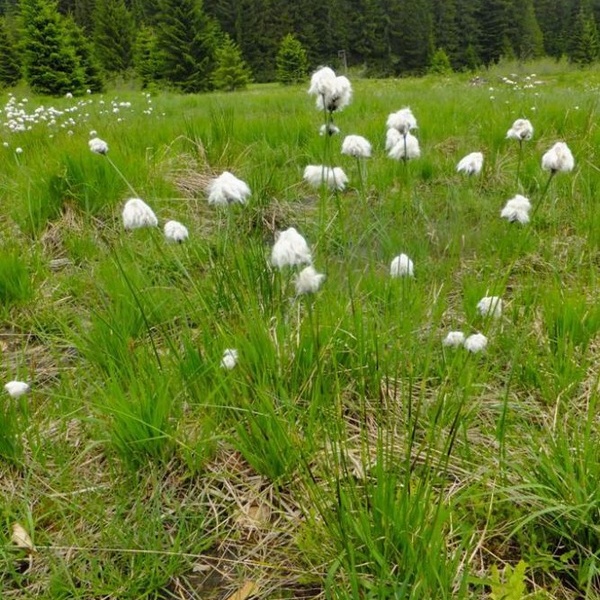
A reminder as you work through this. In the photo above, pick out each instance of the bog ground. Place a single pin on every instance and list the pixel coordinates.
(196, 428)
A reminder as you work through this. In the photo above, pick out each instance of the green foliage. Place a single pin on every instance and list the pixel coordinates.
(585, 44)
(15, 279)
(440, 63)
(231, 72)
(113, 35)
(84, 52)
(146, 57)
(10, 66)
(51, 64)
(510, 583)
(292, 62)
(187, 39)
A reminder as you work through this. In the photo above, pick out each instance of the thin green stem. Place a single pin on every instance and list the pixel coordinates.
(131, 189)
(519, 161)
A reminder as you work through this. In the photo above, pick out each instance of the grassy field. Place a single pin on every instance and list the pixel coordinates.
(349, 454)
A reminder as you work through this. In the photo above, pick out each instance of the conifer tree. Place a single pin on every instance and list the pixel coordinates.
(10, 67)
(113, 35)
(51, 65)
(494, 21)
(585, 47)
(440, 63)
(411, 36)
(92, 72)
(187, 39)
(445, 28)
(146, 57)
(528, 40)
(231, 71)
(292, 62)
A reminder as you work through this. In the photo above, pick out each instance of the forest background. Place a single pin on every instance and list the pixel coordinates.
(194, 46)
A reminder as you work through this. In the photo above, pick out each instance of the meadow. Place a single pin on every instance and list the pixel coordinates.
(348, 454)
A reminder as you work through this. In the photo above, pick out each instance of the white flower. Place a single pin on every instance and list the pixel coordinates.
(19, 150)
(476, 343)
(329, 129)
(175, 231)
(333, 93)
(392, 137)
(16, 388)
(322, 79)
(407, 147)
(227, 189)
(471, 164)
(68, 95)
(490, 306)
(5, 144)
(403, 121)
(558, 158)
(230, 358)
(454, 339)
(522, 129)
(517, 209)
(98, 146)
(308, 281)
(402, 266)
(137, 214)
(357, 146)
(93, 133)
(334, 178)
(290, 249)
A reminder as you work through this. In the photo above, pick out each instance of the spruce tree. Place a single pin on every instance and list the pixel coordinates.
(292, 62)
(468, 53)
(146, 57)
(113, 35)
(231, 71)
(445, 27)
(585, 46)
(51, 65)
(528, 40)
(440, 63)
(187, 39)
(92, 72)
(495, 33)
(10, 67)
(411, 36)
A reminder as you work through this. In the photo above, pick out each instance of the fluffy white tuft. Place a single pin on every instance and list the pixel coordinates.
(522, 129)
(321, 81)
(98, 146)
(476, 343)
(290, 249)
(316, 175)
(230, 359)
(337, 96)
(403, 121)
(517, 210)
(454, 339)
(392, 137)
(175, 231)
(137, 214)
(558, 158)
(471, 164)
(490, 306)
(308, 281)
(16, 388)
(329, 129)
(333, 93)
(227, 189)
(357, 146)
(407, 147)
(402, 266)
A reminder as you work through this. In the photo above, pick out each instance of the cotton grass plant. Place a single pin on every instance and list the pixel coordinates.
(377, 436)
